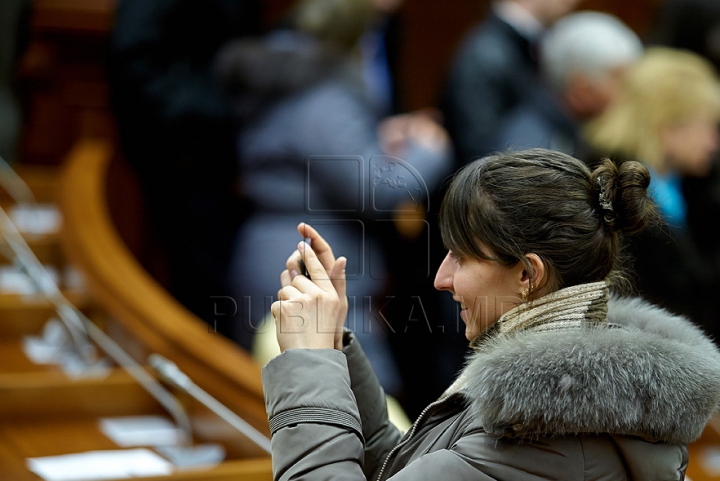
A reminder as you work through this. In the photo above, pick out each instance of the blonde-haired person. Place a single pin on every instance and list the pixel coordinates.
(666, 116)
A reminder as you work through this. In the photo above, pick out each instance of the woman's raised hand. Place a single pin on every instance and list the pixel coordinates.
(310, 313)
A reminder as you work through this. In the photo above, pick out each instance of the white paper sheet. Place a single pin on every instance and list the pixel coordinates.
(199, 456)
(47, 348)
(100, 465)
(13, 281)
(127, 431)
(36, 219)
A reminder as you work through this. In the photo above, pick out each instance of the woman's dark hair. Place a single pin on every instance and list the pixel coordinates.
(505, 206)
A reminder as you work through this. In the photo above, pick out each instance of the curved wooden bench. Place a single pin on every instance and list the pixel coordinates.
(147, 319)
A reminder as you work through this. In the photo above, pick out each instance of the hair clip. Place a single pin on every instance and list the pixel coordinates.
(605, 201)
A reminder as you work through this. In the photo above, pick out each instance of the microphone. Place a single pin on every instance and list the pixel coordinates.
(14, 185)
(79, 326)
(171, 373)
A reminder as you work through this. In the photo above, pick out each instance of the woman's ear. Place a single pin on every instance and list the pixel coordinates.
(535, 278)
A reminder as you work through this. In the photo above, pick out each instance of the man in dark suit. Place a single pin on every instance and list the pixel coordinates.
(494, 70)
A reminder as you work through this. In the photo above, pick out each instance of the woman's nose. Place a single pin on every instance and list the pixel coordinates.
(444, 276)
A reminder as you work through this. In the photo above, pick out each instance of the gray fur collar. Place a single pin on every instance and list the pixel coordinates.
(658, 377)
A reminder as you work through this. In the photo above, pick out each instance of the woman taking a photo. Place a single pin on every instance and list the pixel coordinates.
(566, 382)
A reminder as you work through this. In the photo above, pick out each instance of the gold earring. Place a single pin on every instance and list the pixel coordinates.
(524, 295)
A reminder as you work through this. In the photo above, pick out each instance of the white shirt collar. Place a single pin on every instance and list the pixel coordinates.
(519, 19)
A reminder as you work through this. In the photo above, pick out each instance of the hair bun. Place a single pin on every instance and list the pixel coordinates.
(621, 195)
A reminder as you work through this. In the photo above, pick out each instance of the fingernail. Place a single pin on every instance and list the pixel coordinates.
(294, 273)
(303, 245)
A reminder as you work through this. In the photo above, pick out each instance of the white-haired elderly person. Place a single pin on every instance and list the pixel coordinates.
(583, 60)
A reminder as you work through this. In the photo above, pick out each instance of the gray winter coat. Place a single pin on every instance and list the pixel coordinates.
(618, 403)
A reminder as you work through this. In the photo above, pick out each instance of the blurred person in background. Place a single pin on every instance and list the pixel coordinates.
(666, 116)
(378, 49)
(177, 132)
(301, 95)
(14, 19)
(695, 25)
(583, 59)
(494, 70)
(689, 25)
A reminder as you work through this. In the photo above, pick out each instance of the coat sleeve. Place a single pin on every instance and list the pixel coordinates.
(379, 433)
(320, 429)
(314, 418)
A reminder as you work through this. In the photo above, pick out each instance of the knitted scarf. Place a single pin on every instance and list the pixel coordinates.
(584, 305)
(570, 308)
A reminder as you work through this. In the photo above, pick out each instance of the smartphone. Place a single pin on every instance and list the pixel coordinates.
(303, 267)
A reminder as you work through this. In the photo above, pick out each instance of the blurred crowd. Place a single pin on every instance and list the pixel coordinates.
(238, 133)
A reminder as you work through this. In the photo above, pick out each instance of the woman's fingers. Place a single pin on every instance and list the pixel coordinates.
(337, 275)
(317, 272)
(288, 292)
(310, 312)
(286, 278)
(338, 279)
(322, 249)
(275, 310)
(293, 264)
